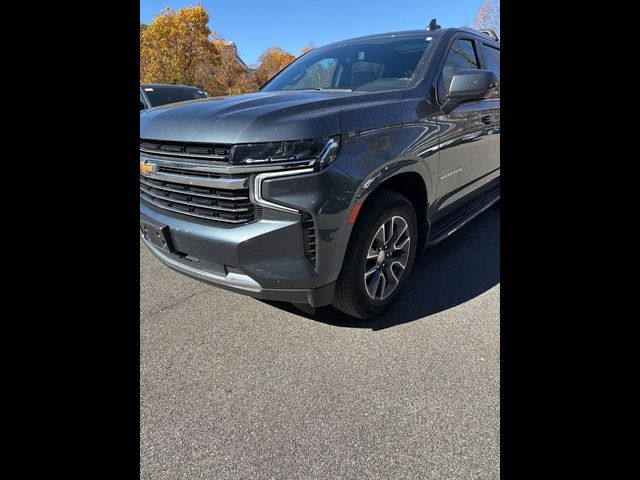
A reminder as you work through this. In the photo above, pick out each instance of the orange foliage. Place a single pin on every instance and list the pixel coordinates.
(307, 48)
(175, 48)
(230, 77)
(178, 47)
(272, 61)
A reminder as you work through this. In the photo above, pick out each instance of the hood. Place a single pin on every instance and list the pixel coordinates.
(254, 117)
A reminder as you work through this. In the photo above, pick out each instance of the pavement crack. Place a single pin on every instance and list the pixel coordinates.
(175, 304)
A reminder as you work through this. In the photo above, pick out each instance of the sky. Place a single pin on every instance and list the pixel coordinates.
(291, 24)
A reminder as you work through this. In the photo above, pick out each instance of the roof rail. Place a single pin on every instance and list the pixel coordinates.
(486, 31)
(490, 33)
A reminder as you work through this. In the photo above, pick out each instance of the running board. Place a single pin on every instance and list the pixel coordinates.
(452, 223)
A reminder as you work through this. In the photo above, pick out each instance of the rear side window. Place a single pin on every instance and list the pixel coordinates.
(462, 56)
(492, 61)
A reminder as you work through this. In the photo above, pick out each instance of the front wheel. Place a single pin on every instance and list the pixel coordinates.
(379, 257)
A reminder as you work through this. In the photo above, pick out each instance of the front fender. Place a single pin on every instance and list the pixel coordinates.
(391, 169)
(368, 159)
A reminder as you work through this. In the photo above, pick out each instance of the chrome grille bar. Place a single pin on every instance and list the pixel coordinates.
(214, 196)
(212, 205)
(192, 214)
(187, 189)
(207, 151)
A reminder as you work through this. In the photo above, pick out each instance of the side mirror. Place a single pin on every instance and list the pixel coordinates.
(142, 107)
(471, 84)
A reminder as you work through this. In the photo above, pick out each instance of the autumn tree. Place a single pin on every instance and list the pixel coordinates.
(143, 60)
(272, 61)
(247, 83)
(178, 47)
(230, 76)
(489, 16)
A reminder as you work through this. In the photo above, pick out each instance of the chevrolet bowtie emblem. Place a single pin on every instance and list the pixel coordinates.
(146, 168)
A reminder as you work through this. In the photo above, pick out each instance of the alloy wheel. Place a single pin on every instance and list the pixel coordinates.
(387, 258)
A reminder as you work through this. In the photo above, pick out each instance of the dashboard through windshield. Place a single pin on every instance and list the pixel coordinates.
(373, 65)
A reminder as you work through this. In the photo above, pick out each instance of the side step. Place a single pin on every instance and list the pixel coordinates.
(450, 224)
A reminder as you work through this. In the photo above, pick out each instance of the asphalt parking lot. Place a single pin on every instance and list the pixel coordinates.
(233, 387)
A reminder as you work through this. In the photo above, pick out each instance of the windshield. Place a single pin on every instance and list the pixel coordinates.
(388, 63)
(163, 95)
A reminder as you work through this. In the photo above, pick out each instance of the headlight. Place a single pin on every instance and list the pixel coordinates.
(319, 152)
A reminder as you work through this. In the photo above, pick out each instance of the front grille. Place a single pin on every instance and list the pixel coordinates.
(222, 205)
(208, 151)
(309, 235)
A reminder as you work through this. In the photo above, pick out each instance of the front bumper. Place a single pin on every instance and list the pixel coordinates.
(266, 258)
(241, 283)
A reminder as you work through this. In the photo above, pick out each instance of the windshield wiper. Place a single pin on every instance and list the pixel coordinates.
(340, 89)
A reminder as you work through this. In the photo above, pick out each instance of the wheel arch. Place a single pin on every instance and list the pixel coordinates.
(397, 176)
(410, 182)
(412, 186)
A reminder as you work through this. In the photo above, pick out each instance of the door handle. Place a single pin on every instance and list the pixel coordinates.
(487, 119)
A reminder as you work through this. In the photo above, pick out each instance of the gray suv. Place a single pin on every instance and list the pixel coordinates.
(323, 187)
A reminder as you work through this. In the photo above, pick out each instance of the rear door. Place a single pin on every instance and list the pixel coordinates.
(467, 133)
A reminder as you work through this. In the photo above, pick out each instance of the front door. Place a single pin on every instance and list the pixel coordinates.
(469, 134)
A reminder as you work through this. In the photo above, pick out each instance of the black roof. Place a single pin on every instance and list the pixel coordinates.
(404, 33)
(424, 31)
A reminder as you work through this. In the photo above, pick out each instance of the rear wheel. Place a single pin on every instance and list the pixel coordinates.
(379, 257)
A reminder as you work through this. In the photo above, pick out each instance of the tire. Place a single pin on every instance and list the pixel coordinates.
(360, 292)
